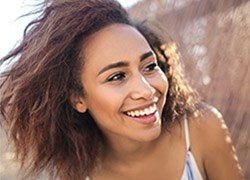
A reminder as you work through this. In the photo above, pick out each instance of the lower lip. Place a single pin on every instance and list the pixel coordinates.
(149, 119)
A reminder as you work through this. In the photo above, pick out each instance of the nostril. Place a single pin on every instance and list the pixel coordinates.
(143, 89)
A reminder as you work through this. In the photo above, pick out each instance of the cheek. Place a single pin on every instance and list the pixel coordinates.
(104, 107)
(160, 82)
(102, 101)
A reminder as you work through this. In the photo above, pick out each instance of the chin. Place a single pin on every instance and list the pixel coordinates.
(150, 135)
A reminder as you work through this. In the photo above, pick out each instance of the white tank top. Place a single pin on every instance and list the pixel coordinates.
(191, 171)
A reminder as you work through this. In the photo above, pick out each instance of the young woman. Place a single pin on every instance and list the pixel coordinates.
(93, 95)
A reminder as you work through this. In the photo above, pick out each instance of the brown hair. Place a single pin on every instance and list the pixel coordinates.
(48, 134)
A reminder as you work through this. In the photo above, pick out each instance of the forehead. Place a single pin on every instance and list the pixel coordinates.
(113, 43)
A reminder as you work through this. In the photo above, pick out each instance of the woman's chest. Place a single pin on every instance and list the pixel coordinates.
(166, 164)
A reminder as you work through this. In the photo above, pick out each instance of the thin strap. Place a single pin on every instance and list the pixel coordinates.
(186, 132)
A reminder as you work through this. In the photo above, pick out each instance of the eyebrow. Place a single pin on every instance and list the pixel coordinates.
(124, 63)
(146, 55)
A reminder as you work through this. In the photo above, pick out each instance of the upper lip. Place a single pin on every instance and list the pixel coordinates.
(142, 107)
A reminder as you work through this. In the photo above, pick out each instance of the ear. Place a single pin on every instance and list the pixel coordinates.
(78, 103)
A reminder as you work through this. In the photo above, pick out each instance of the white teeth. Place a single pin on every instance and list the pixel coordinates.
(146, 111)
(137, 113)
(152, 109)
(142, 112)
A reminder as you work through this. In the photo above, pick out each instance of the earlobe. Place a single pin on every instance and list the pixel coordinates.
(78, 103)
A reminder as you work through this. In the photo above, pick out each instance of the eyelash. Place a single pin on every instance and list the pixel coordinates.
(119, 76)
(151, 67)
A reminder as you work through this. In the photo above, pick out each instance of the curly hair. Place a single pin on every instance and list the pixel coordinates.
(48, 134)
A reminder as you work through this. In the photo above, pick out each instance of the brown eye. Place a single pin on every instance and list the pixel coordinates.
(151, 67)
(117, 77)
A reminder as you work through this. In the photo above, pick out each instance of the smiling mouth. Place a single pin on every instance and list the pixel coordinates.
(143, 112)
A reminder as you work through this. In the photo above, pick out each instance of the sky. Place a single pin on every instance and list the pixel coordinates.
(12, 27)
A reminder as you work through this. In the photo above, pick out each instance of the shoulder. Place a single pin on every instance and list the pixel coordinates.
(209, 122)
(209, 129)
(214, 143)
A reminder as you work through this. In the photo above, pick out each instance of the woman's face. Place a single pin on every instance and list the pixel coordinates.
(125, 90)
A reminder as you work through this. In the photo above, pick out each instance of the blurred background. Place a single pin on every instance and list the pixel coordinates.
(214, 40)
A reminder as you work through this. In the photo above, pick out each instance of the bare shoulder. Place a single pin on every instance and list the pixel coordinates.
(215, 146)
(209, 122)
(208, 125)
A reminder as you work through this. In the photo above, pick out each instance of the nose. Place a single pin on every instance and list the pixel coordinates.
(142, 88)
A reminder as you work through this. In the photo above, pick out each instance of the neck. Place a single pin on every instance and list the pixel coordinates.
(128, 151)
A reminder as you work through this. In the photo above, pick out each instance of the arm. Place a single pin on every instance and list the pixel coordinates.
(219, 156)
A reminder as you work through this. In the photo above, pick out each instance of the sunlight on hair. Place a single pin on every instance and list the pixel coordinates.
(237, 160)
(171, 51)
(228, 139)
(224, 126)
(217, 113)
